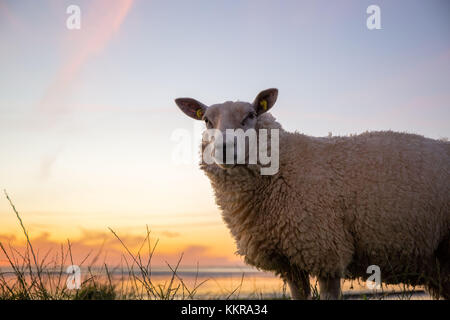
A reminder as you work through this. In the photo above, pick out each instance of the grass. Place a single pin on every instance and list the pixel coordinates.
(38, 277)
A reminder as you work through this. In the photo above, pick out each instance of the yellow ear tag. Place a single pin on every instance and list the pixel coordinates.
(199, 113)
(263, 104)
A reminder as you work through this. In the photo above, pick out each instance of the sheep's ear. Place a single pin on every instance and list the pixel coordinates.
(265, 100)
(191, 107)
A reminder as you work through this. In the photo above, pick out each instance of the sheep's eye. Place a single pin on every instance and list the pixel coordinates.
(251, 115)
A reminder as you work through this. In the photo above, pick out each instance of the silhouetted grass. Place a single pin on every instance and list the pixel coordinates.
(34, 278)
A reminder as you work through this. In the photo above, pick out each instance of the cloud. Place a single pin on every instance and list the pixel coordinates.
(47, 163)
(7, 238)
(95, 247)
(100, 22)
(170, 234)
(7, 15)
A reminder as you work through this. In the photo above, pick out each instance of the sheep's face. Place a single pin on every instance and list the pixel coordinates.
(224, 123)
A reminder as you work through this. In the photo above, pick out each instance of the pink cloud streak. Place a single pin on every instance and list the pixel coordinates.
(99, 23)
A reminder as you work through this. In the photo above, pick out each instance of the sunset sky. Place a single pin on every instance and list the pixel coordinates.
(87, 116)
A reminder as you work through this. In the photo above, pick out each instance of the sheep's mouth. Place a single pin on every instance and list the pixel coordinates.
(222, 162)
(226, 165)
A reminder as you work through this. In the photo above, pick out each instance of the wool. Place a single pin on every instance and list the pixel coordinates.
(340, 204)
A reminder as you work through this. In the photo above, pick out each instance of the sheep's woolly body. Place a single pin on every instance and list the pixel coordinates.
(338, 205)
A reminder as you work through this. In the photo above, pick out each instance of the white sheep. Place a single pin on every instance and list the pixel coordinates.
(337, 205)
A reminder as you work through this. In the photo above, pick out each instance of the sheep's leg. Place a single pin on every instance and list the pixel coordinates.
(299, 286)
(330, 288)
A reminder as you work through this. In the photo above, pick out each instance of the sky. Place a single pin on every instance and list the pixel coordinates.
(87, 116)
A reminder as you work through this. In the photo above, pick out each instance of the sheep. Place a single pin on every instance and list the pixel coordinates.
(337, 205)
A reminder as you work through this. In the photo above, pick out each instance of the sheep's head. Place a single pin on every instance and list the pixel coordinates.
(221, 119)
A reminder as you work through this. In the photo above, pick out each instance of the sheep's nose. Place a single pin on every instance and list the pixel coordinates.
(228, 149)
(224, 152)
(225, 148)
